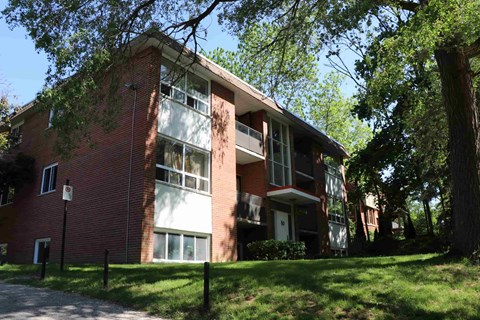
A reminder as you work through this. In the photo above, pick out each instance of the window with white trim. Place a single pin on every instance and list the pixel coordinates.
(182, 165)
(6, 195)
(16, 134)
(332, 167)
(184, 86)
(336, 211)
(278, 153)
(179, 247)
(42, 249)
(49, 178)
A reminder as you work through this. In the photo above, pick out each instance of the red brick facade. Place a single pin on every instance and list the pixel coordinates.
(224, 195)
(97, 216)
(114, 183)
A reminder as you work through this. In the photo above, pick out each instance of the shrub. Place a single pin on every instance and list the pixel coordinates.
(277, 250)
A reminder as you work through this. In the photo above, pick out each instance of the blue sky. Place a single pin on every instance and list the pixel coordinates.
(23, 68)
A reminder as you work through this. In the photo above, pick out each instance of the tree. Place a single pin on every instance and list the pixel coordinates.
(291, 76)
(85, 37)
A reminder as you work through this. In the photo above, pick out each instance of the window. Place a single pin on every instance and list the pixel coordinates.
(42, 249)
(16, 134)
(6, 196)
(278, 154)
(49, 178)
(184, 87)
(182, 165)
(332, 167)
(3, 252)
(179, 247)
(51, 115)
(336, 212)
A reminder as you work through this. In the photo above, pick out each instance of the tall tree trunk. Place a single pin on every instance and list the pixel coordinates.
(428, 217)
(442, 201)
(463, 124)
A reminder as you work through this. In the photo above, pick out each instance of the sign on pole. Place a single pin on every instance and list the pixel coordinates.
(67, 193)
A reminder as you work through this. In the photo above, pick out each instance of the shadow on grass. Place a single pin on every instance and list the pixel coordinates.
(353, 288)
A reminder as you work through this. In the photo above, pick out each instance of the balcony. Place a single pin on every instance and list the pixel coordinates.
(250, 208)
(249, 144)
(292, 194)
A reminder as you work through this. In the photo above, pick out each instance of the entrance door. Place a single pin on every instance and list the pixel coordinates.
(283, 226)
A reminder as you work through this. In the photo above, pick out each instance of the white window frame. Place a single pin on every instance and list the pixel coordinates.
(184, 89)
(287, 180)
(37, 247)
(183, 172)
(51, 177)
(334, 217)
(182, 234)
(10, 191)
(18, 135)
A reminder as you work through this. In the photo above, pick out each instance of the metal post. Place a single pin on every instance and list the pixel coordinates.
(64, 229)
(44, 263)
(105, 270)
(206, 286)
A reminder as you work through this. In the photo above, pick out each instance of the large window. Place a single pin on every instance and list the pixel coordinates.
(278, 154)
(49, 178)
(182, 165)
(185, 87)
(180, 247)
(336, 212)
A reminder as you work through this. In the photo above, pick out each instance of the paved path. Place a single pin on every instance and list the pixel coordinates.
(23, 302)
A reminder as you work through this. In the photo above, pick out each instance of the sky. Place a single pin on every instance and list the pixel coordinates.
(23, 69)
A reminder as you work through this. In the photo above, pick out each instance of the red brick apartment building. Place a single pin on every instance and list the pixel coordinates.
(197, 169)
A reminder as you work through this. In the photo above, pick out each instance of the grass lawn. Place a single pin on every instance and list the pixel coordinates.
(400, 287)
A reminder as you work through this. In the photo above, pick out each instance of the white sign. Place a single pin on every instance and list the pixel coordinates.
(67, 193)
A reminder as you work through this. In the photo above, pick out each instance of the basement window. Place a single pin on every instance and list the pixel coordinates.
(180, 247)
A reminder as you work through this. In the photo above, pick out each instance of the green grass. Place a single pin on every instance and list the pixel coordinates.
(401, 287)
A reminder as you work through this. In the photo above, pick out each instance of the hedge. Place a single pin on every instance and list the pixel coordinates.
(277, 250)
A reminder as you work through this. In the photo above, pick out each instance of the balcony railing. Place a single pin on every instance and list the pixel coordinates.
(250, 207)
(249, 138)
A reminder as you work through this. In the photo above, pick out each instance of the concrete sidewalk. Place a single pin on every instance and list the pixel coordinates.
(23, 302)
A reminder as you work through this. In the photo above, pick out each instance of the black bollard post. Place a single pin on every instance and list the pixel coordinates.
(206, 286)
(44, 264)
(105, 270)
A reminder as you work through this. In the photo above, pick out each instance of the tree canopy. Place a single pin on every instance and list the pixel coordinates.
(395, 39)
(292, 78)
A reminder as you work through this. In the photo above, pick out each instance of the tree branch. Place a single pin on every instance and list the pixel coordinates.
(472, 50)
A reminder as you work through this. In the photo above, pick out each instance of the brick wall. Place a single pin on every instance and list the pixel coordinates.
(97, 216)
(255, 175)
(224, 230)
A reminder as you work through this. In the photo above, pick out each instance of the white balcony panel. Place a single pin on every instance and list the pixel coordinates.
(333, 185)
(185, 124)
(245, 156)
(290, 194)
(338, 236)
(180, 209)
